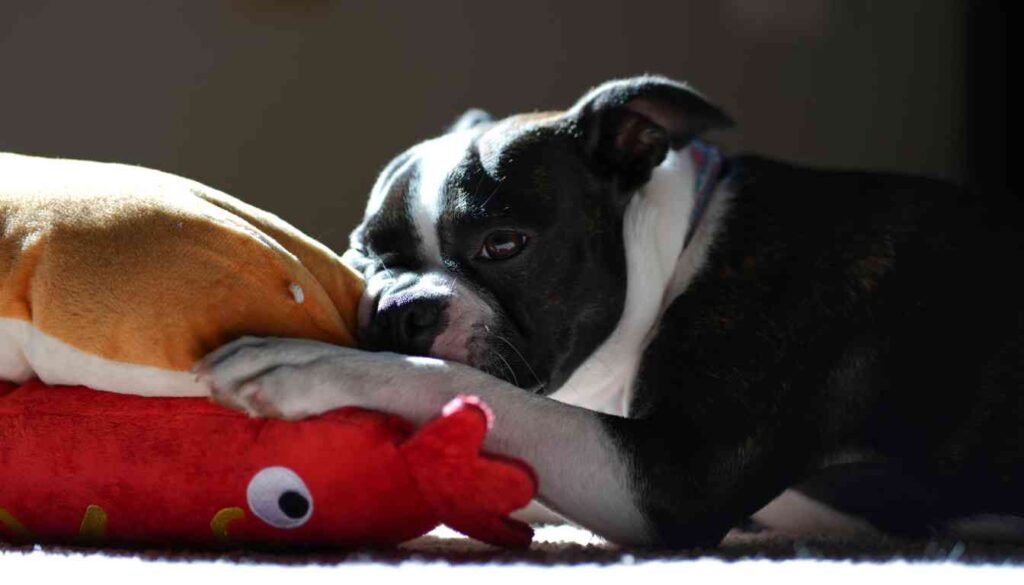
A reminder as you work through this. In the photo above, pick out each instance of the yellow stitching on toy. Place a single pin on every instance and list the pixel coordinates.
(221, 520)
(94, 523)
(12, 524)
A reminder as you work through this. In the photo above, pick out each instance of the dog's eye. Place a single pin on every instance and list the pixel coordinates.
(502, 245)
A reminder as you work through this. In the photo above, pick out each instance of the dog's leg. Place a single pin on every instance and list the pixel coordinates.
(581, 465)
(651, 481)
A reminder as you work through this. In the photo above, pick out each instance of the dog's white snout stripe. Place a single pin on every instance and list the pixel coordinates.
(437, 159)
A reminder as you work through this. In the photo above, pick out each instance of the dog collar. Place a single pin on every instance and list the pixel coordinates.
(709, 163)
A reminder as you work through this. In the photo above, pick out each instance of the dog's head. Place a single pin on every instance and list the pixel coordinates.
(500, 245)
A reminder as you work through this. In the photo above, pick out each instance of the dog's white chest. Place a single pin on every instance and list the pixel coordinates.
(657, 269)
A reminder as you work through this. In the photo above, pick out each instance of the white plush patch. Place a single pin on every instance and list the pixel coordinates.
(654, 227)
(26, 352)
(297, 292)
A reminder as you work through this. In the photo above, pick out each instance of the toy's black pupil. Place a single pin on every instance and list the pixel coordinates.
(293, 504)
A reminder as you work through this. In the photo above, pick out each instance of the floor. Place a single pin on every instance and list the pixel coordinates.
(557, 550)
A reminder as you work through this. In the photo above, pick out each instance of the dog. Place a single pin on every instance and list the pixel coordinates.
(677, 339)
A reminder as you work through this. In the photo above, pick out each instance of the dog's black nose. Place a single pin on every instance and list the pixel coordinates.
(405, 325)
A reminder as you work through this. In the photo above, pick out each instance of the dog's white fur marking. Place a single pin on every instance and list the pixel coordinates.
(467, 316)
(658, 269)
(696, 253)
(383, 185)
(435, 160)
(537, 513)
(796, 514)
(27, 352)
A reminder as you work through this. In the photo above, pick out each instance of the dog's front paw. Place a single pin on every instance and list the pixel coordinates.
(277, 377)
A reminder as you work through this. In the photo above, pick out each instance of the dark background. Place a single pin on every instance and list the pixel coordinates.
(294, 106)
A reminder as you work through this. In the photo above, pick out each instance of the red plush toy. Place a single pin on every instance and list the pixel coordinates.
(77, 465)
(119, 278)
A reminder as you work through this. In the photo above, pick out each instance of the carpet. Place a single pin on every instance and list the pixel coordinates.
(559, 550)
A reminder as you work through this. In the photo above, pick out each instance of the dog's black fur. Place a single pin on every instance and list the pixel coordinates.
(838, 312)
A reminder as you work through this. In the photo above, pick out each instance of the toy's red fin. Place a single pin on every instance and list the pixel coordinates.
(471, 492)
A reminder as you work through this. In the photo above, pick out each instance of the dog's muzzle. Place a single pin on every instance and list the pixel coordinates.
(404, 324)
(403, 314)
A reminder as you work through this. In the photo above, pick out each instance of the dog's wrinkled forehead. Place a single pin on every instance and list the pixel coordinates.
(409, 196)
(446, 179)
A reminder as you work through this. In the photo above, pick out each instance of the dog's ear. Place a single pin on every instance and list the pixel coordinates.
(470, 118)
(628, 125)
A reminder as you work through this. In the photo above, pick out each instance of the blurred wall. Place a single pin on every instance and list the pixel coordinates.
(295, 105)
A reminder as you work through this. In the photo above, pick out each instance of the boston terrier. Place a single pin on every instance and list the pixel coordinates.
(677, 339)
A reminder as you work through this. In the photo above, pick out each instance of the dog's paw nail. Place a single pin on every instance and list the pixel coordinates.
(249, 391)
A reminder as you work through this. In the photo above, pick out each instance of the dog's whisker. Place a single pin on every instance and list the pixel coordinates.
(489, 197)
(476, 189)
(520, 354)
(387, 271)
(451, 284)
(511, 372)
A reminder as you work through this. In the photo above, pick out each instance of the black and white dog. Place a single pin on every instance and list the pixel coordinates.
(673, 338)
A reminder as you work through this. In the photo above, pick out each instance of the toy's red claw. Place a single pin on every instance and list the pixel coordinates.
(471, 492)
(469, 401)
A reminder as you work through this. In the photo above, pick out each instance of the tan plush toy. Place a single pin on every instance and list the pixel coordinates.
(119, 278)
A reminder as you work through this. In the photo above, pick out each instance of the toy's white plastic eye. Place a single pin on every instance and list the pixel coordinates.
(279, 497)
